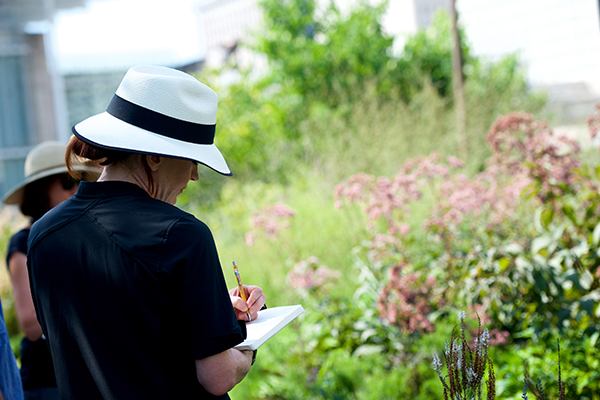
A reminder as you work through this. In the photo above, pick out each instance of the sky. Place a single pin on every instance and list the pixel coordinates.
(122, 32)
(557, 40)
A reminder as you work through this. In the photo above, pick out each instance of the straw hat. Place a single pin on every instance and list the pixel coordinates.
(159, 111)
(46, 159)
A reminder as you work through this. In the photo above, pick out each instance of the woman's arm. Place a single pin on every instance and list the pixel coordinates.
(221, 372)
(24, 308)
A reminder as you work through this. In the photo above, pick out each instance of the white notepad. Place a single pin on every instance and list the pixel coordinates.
(267, 324)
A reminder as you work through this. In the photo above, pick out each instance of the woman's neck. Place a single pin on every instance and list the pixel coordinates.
(130, 170)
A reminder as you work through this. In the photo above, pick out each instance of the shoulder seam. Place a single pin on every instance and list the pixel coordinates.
(60, 225)
(165, 239)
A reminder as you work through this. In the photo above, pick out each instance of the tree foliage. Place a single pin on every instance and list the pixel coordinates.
(324, 56)
(328, 57)
(428, 55)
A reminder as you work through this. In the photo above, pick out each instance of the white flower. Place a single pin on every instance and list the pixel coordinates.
(481, 343)
(437, 364)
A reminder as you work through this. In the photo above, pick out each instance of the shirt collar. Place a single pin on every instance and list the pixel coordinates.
(109, 189)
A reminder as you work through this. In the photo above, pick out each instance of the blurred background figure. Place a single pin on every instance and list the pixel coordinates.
(46, 184)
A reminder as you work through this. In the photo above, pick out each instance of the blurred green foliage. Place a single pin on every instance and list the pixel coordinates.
(580, 368)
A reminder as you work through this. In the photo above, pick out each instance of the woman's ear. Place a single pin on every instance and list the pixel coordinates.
(153, 162)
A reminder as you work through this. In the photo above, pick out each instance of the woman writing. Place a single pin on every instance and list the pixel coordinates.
(128, 287)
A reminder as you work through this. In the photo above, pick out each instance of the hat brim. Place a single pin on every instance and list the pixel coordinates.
(15, 195)
(105, 131)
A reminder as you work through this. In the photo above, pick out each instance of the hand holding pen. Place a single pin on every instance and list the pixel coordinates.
(246, 300)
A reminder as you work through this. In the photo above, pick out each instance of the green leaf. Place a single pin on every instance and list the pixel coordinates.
(544, 216)
(513, 249)
(586, 279)
(558, 232)
(503, 263)
(596, 235)
(588, 306)
(523, 264)
(540, 242)
(569, 212)
(367, 349)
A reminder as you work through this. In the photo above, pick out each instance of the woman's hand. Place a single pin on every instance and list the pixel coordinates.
(256, 299)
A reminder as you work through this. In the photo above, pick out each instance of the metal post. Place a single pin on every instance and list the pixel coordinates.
(457, 82)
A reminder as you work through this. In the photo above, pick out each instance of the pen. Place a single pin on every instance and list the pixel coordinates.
(241, 288)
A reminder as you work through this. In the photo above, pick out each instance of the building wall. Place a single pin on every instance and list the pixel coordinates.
(16, 119)
(32, 107)
(89, 94)
(43, 100)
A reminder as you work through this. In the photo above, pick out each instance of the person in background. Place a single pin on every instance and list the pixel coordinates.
(128, 287)
(10, 380)
(46, 184)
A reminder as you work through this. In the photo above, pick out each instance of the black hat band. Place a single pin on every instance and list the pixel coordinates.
(159, 123)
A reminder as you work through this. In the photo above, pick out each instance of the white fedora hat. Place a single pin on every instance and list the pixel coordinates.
(160, 111)
(46, 159)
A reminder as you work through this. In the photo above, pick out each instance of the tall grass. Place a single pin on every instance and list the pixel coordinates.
(316, 230)
(377, 137)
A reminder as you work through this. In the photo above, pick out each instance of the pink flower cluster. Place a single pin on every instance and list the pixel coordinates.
(389, 200)
(270, 221)
(405, 300)
(487, 197)
(309, 276)
(353, 190)
(523, 146)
